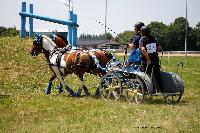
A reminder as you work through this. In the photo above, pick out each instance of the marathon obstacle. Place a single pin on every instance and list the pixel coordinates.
(71, 23)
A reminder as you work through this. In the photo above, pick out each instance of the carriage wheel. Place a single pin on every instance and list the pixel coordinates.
(111, 86)
(177, 98)
(135, 91)
(174, 98)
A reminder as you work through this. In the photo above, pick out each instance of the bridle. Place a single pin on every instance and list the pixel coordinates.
(37, 41)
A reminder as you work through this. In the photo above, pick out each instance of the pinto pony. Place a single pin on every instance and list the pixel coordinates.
(77, 62)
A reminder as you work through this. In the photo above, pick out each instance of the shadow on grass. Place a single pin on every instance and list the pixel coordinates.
(153, 101)
(4, 96)
(5, 99)
(156, 100)
(161, 101)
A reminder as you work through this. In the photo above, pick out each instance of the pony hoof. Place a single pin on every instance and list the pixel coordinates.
(60, 91)
(97, 94)
(87, 94)
(47, 92)
(76, 95)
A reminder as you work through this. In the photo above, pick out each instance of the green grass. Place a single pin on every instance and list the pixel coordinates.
(25, 108)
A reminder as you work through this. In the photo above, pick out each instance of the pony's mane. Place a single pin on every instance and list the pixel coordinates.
(49, 40)
(59, 35)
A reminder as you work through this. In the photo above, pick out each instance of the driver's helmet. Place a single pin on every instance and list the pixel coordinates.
(145, 29)
(139, 25)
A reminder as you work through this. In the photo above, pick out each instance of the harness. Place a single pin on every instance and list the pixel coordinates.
(96, 61)
(56, 55)
(59, 52)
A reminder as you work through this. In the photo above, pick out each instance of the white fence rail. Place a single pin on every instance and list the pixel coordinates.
(180, 53)
(166, 53)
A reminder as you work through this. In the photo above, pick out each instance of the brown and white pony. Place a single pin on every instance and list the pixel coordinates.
(77, 62)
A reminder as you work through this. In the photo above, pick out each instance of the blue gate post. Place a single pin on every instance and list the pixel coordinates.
(72, 29)
(72, 24)
(23, 21)
(31, 21)
(74, 33)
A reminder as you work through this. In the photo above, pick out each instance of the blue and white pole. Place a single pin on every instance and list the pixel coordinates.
(72, 29)
(31, 21)
(23, 21)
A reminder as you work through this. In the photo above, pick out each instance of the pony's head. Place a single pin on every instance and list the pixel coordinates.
(37, 45)
(111, 62)
(103, 56)
(109, 55)
(42, 44)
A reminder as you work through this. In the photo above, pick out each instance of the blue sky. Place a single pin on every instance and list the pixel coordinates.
(122, 14)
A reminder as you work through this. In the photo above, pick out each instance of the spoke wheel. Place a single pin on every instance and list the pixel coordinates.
(174, 98)
(111, 86)
(177, 98)
(135, 91)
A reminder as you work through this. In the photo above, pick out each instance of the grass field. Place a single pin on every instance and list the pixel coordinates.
(25, 108)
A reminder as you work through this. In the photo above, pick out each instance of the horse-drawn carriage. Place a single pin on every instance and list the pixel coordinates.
(118, 82)
(130, 83)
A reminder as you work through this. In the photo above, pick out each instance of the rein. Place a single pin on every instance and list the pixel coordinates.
(77, 61)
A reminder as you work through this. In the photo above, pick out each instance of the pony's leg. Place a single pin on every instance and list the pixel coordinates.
(57, 72)
(60, 88)
(82, 87)
(80, 90)
(86, 90)
(48, 89)
(97, 93)
(78, 93)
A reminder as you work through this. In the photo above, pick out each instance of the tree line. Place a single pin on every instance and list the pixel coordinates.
(171, 37)
(8, 31)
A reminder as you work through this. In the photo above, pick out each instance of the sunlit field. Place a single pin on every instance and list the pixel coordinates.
(24, 107)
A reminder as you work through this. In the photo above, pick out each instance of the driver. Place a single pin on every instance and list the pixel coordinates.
(149, 47)
(134, 57)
